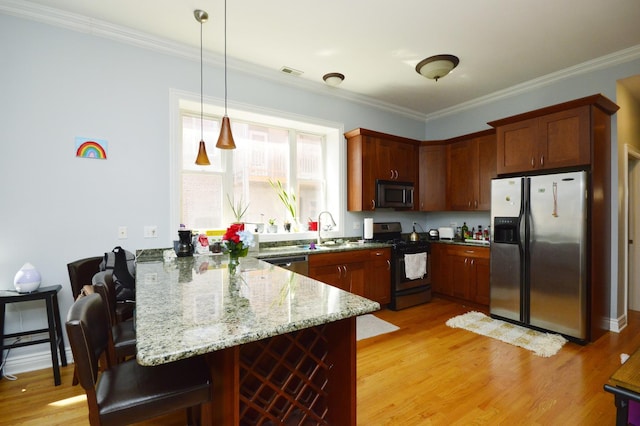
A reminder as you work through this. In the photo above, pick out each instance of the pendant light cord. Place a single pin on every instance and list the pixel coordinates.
(201, 97)
(225, 57)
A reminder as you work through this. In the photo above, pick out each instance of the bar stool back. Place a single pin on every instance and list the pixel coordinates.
(128, 392)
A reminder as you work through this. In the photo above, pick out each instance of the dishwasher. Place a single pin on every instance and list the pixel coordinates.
(296, 263)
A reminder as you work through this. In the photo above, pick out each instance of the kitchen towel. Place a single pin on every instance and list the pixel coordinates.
(415, 265)
(368, 228)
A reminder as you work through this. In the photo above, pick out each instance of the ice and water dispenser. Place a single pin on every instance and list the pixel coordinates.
(506, 230)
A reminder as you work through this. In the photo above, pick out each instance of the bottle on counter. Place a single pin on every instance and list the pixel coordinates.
(478, 235)
(485, 236)
(472, 234)
(465, 231)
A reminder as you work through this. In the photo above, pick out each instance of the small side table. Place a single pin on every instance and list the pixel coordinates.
(624, 384)
(55, 339)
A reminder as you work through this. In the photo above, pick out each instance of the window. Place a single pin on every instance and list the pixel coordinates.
(267, 149)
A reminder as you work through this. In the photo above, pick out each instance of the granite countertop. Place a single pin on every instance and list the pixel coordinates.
(303, 249)
(464, 243)
(189, 306)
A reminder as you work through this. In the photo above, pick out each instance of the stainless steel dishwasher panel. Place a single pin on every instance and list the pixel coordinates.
(297, 263)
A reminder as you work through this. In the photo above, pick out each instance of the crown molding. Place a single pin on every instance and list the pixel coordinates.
(602, 62)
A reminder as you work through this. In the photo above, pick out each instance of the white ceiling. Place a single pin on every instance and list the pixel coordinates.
(376, 44)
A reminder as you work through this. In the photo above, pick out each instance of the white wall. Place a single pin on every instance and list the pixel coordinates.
(57, 84)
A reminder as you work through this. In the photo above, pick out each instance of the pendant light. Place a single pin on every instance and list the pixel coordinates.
(202, 159)
(225, 141)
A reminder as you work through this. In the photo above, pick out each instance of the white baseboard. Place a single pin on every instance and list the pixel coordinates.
(34, 361)
(618, 324)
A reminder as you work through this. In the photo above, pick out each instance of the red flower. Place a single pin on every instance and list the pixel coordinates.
(232, 232)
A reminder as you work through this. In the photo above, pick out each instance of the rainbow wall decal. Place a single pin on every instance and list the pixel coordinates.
(91, 148)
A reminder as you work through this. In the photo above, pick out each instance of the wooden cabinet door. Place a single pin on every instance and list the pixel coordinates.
(482, 288)
(486, 170)
(517, 146)
(329, 274)
(345, 270)
(460, 276)
(405, 161)
(432, 171)
(378, 276)
(551, 141)
(462, 175)
(354, 278)
(441, 270)
(564, 139)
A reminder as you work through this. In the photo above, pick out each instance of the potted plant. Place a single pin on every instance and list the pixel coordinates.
(273, 228)
(238, 209)
(287, 198)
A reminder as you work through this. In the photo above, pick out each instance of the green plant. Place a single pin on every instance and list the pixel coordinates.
(287, 198)
(238, 209)
(272, 222)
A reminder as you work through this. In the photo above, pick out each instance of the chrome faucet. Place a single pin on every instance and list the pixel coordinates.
(329, 227)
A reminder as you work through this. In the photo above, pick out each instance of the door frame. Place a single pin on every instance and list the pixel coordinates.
(631, 155)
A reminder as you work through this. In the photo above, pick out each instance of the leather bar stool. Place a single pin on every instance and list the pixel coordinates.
(80, 273)
(128, 392)
(123, 333)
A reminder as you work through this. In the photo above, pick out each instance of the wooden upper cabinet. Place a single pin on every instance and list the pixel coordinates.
(432, 169)
(471, 165)
(373, 155)
(486, 169)
(550, 138)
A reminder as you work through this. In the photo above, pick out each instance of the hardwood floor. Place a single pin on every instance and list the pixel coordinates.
(423, 374)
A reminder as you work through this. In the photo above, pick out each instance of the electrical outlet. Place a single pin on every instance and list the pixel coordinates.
(454, 225)
(151, 231)
(356, 226)
(122, 233)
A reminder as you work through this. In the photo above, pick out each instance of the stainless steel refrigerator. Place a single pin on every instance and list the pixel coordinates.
(538, 252)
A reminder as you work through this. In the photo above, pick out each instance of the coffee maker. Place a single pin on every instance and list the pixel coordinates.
(185, 245)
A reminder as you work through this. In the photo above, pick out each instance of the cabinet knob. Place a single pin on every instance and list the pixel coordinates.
(542, 160)
(373, 204)
(388, 265)
(533, 162)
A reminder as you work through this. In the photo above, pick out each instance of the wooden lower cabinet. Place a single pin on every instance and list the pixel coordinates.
(461, 272)
(363, 272)
(345, 270)
(378, 276)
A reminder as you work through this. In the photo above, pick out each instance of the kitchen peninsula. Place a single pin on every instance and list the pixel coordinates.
(281, 346)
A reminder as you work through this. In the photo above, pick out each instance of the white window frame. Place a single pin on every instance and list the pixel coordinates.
(335, 147)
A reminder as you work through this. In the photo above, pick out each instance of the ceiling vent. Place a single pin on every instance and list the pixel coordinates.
(289, 70)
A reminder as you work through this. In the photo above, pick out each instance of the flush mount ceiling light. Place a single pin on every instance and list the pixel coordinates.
(202, 159)
(225, 140)
(438, 66)
(333, 78)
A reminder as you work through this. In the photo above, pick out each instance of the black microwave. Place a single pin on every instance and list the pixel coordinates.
(394, 194)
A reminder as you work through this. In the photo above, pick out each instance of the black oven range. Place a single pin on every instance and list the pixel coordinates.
(410, 266)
